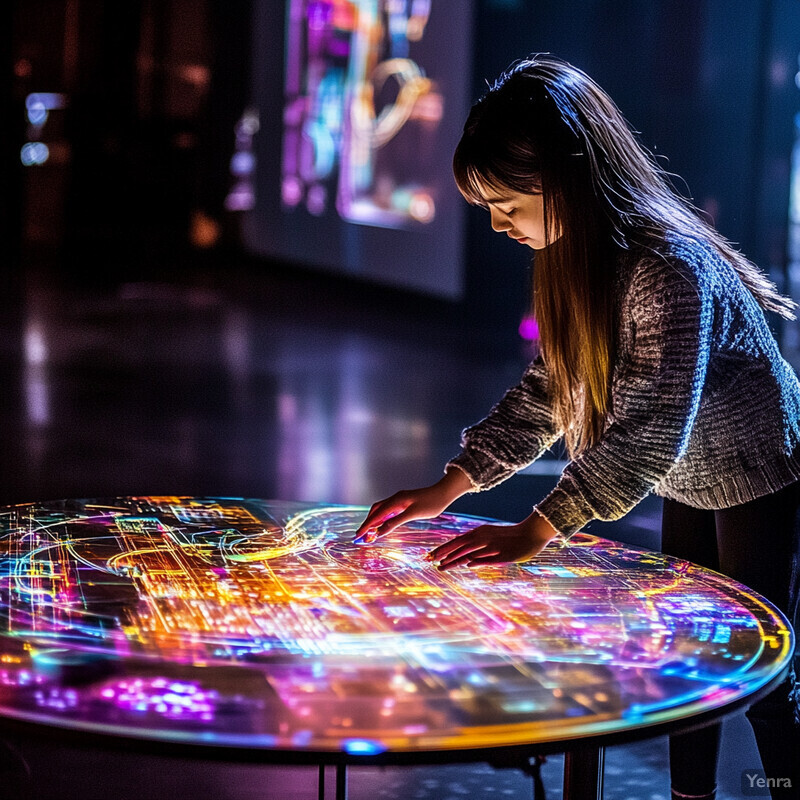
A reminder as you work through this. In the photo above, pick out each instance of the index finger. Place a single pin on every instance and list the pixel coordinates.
(377, 515)
(450, 546)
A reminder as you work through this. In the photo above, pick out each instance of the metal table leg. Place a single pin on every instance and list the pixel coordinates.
(341, 782)
(583, 774)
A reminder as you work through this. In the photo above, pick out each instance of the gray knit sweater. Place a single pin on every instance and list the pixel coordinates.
(704, 408)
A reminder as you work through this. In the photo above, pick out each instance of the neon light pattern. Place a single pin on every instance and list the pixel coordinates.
(259, 624)
(341, 116)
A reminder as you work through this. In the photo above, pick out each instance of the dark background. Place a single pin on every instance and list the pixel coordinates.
(155, 89)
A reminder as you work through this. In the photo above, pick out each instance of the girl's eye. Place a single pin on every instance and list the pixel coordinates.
(511, 212)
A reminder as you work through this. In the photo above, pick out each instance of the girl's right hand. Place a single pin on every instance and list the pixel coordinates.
(402, 507)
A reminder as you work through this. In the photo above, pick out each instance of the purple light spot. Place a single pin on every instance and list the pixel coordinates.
(529, 329)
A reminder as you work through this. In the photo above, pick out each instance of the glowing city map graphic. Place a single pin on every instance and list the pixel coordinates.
(259, 624)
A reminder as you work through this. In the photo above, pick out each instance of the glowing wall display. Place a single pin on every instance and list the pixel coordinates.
(354, 174)
(259, 624)
(340, 56)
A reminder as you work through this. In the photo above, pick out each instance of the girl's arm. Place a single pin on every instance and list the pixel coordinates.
(655, 402)
(654, 408)
(655, 405)
(495, 544)
(430, 501)
(517, 430)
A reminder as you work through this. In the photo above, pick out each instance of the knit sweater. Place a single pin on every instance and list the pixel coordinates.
(704, 410)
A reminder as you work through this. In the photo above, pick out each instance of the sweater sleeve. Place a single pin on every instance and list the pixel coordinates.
(654, 403)
(516, 432)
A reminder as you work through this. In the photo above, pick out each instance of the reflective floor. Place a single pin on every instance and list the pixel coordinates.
(283, 386)
(288, 388)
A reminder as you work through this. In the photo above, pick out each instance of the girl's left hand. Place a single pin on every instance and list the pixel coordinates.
(495, 544)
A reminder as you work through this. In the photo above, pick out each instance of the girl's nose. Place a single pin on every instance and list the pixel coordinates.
(500, 221)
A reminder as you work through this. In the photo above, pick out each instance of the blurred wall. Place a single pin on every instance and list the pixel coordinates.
(11, 131)
(133, 144)
(139, 157)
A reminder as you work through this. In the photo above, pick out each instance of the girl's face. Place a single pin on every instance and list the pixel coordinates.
(520, 216)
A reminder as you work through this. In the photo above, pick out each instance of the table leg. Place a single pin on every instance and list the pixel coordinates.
(321, 783)
(583, 774)
(341, 782)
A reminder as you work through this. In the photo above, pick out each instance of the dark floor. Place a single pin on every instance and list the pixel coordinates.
(283, 386)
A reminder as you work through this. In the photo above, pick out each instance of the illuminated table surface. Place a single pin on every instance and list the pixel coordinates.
(258, 625)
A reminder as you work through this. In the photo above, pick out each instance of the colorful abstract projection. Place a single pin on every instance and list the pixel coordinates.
(351, 89)
(259, 624)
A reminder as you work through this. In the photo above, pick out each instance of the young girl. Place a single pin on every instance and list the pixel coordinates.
(657, 368)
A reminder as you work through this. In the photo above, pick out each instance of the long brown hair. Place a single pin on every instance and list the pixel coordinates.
(545, 126)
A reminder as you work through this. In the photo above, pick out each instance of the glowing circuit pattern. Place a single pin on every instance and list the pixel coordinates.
(351, 87)
(259, 624)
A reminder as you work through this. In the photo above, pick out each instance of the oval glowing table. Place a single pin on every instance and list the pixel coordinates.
(240, 625)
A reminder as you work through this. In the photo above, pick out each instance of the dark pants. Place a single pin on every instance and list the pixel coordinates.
(756, 544)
